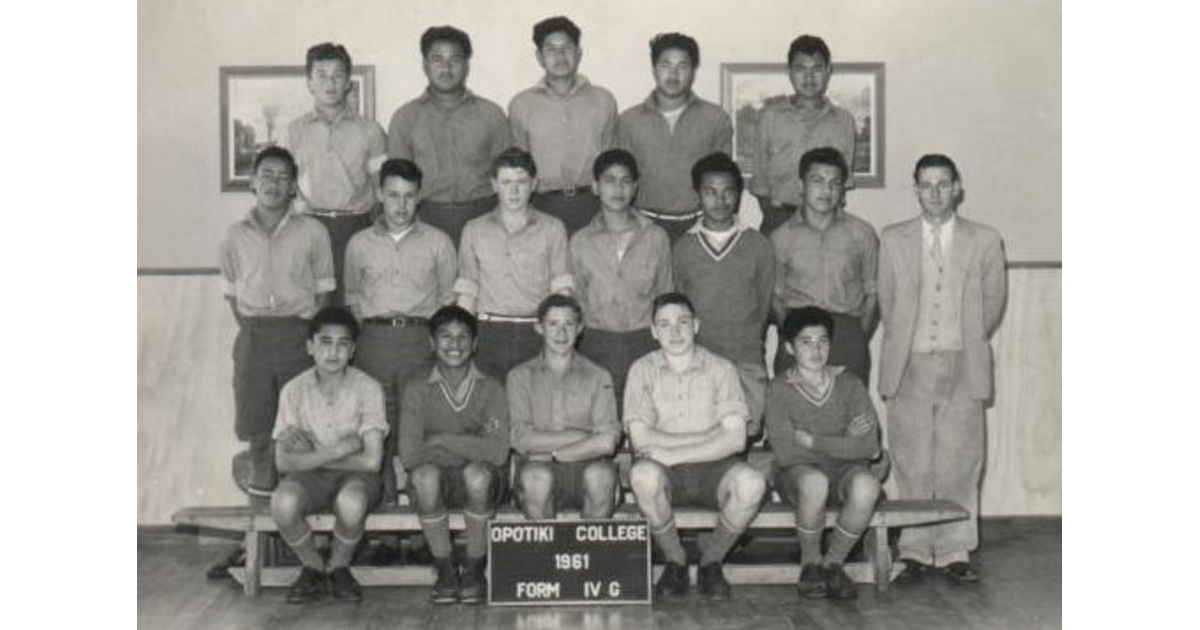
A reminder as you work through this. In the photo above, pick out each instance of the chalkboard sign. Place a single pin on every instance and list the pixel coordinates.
(568, 562)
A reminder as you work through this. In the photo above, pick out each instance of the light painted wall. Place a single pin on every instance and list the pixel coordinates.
(977, 79)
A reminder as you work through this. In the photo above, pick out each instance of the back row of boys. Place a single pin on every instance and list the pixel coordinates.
(400, 271)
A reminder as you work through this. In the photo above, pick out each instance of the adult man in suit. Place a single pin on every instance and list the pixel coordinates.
(942, 289)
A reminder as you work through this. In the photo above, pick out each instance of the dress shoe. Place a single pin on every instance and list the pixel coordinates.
(309, 587)
(960, 573)
(673, 582)
(838, 585)
(711, 580)
(912, 572)
(812, 582)
(445, 590)
(343, 586)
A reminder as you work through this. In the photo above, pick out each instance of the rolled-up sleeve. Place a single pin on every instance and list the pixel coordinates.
(519, 387)
(322, 260)
(468, 263)
(561, 280)
(730, 399)
(639, 402)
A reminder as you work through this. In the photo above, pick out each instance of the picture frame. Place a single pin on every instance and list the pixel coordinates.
(258, 102)
(856, 86)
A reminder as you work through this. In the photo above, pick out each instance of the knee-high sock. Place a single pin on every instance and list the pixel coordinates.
(840, 544)
(437, 531)
(476, 534)
(668, 541)
(714, 545)
(810, 545)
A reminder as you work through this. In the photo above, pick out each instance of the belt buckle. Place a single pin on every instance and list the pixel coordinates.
(570, 191)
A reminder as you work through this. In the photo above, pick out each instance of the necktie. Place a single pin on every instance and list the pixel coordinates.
(935, 250)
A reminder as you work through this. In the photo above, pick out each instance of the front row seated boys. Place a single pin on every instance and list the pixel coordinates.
(454, 443)
(328, 445)
(823, 430)
(564, 421)
(686, 416)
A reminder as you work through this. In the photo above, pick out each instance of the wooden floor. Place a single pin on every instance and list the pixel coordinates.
(1021, 561)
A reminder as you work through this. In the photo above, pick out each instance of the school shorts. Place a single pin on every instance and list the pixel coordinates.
(568, 489)
(321, 487)
(838, 474)
(695, 485)
(454, 489)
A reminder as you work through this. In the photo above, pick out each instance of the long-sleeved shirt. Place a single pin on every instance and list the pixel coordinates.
(691, 401)
(336, 160)
(790, 407)
(785, 133)
(665, 155)
(474, 415)
(510, 273)
(834, 268)
(731, 290)
(564, 133)
(454, 146)
(614, 286)
(413, 276)
(539, 400)
(355, 409)
(277, 274)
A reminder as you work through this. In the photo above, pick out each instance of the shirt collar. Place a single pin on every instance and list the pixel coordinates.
(541, 364)
(436, 377)
(946, 230)
(380, 227)
(792, 376)
(699, 358)
(581, 81)
(651, 105)
(345, 113)
(427, 98)
(597, 223)
(253, 224)
(494, 216)
(826, 107)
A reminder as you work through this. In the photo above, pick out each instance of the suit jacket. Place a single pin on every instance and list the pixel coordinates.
(976, 273)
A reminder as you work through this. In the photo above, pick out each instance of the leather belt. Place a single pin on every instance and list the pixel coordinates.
(400, 321)
(336, 214)
(507, 319)
(664, 216)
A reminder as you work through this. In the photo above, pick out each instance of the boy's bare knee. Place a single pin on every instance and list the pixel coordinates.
(351, 503)
(286, 502)
(536, 479)
(647, 478)
(477, 479)
(599, 479)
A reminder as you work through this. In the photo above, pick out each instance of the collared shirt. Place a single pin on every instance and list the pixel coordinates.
(785, 133)
(827, 418)
(336, 159)
(475, 414)
(665, 156)
(413, 276)
(564, 133)
(277, 274)
(939, 312)
(834, 268)
(510, 273)
(539, 400)
(694, 400)
(353, 410)
(614, 286)
(454, 145)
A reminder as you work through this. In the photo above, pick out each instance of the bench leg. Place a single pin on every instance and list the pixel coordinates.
(876, 546)
(254, 562)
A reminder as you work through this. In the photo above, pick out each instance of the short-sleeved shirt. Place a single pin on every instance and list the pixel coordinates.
(540, 400)
(790, 407)
(356, 408)
(336, 159)
(616, 288)
(510, 273)
(564, 134)
(476, 412)
(277, 274)
(665, 156)
(694, 400)
(412, 276)
(785, 133)
(454, 146)
(834, 268)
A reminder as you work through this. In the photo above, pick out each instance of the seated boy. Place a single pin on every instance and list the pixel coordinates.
(822, 427)
(564, 421)
(454, 443)
(328, 445)
(686, 416)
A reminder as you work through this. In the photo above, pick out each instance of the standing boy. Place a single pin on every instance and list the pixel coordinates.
(564, 421)
(786, 131)
(619, 262)
(669, 131)
(337, 150)
(510, 259)
(827, 257)
(823, 430)
(686, 417)
(728, 271)
(398, 272)
(454, 442)
(565, 122)
(942, 288)
(451, 133)
(329, 447)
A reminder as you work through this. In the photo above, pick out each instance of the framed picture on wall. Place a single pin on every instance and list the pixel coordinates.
(746, 88)
(258, 102)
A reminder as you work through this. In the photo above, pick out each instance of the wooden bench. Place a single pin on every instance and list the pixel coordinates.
(257, 523)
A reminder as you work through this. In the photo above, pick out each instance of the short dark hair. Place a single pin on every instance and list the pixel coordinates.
(666, 41)
(556, 24)
(555, 300)
(325, 52)
(719, 162)
(514, 157)
(828, 156)
(798, 319)
(809, 45)
(931, 160)
(450, 314)
(402, 168)
(278, 153)
(445, 34)
(615, 156)
(333, 316)
(667, 299)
